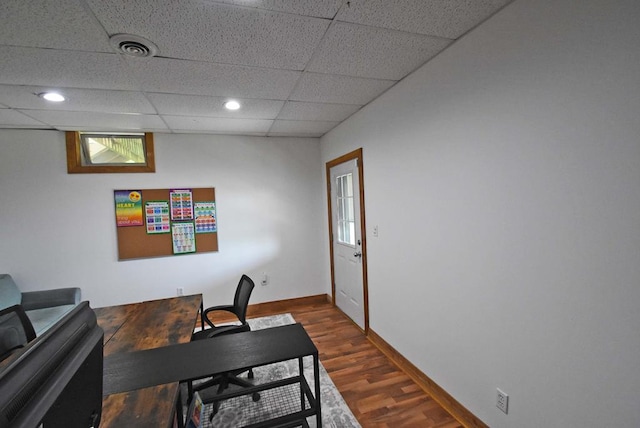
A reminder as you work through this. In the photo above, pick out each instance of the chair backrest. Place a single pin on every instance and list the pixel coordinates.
(15, 330)
(241, 299)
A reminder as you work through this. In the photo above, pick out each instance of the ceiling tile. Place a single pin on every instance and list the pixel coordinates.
(191, 29)
(357, 50)
(317, 8)
(306, 63)
(300, 127)
(326, 88)
(92, 129)
(193, 105)
(441, 18)
(97, 121)
(77, 100)
(202, 78)
(217, 124)
(294, 110)
(48, 67)
(297, 135)
(14, 119)
(61, 24)
(213, 132)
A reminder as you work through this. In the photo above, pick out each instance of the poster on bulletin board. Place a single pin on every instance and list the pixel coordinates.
(183, 237)
(205, 214)
(157, 217)
(128, 208)
(181, 204)
(165, 222)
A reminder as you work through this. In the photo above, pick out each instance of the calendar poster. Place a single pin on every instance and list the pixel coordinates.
(157, 216)
(181, 204)
(183, 237)
(205, 214)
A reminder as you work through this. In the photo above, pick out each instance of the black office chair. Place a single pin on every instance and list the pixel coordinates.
(239, 309)
(15, 330)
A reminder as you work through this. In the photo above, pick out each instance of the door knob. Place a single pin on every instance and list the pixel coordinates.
(357, 254)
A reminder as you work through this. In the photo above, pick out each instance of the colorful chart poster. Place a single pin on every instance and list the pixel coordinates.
(183, 237)
(157, 216)
(181, 204)
(128, 208)
(205, 214)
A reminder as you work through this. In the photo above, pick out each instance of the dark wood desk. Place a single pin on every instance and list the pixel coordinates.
(141, 369)
(141, 326)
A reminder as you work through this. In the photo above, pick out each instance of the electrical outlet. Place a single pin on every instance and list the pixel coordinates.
(375, 230)
(180, 291)
(502, 401)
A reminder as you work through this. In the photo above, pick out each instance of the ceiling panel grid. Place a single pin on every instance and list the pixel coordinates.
(297, 68)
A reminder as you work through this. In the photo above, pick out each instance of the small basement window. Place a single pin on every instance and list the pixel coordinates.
(93, 152)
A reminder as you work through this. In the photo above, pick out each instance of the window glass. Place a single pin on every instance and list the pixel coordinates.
(345, 209)
(100, 149)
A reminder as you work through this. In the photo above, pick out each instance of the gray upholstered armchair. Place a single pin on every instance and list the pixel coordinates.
(44, 308)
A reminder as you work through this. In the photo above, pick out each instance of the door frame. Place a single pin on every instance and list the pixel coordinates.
(357, 155)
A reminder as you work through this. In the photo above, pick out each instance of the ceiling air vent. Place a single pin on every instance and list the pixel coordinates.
(131, 45)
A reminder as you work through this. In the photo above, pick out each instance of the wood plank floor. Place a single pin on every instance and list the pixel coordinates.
(378, 393)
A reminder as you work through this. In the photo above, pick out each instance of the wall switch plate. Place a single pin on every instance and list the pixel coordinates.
(265, 279)
(502, 401)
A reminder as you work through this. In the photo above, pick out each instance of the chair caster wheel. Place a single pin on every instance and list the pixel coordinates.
(255, 396)
(250, 374)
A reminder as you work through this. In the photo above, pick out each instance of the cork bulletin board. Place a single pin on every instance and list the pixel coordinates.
(185, 222)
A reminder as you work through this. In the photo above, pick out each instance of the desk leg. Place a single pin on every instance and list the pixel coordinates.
(301, 373)
(179, 415)
(201, 315)
(316, 381)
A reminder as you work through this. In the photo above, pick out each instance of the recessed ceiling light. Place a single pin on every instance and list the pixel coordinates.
(52, 96)
(232, 105)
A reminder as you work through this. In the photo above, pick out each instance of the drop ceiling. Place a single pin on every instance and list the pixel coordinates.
(298, 67)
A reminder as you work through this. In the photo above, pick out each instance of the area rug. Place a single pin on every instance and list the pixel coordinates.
(242, 411)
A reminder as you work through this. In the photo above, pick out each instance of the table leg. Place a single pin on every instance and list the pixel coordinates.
(301, 373)
(201, 315)
(316, 379)
(179, 414)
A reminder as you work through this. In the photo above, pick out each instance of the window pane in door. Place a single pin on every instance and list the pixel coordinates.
(345, 209)
(349, 185)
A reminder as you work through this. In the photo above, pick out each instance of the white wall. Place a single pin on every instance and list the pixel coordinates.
(58, 229)
(504, 177)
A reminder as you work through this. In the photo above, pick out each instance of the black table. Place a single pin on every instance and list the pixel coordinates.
(195, 360)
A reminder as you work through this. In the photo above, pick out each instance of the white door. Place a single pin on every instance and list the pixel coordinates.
(347, 240)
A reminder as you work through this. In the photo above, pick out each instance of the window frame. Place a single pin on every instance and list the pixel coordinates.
(74, 158)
